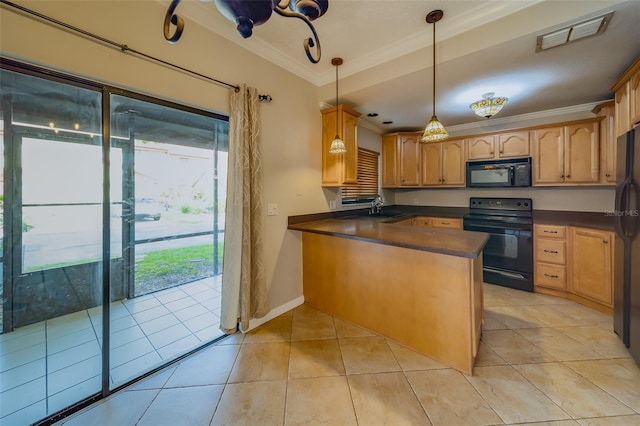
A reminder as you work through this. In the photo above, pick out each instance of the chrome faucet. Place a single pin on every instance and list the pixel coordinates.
(376, 205)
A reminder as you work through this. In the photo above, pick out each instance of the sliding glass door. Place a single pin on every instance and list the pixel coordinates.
(111, 251)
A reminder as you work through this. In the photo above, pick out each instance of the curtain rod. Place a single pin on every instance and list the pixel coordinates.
(124, 48)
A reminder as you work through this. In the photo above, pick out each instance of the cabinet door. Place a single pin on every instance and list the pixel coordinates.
(481, 148)
(446, 223)
(453, 170)
(608, 145)
(548, 155)
(623, 111)
(634, 99)
(331, 164)
(591, 257)
(514, 144)
(582, 153)
(422, 221)
(431, 164)
(350, 138)
(409, 160)
(390, 160)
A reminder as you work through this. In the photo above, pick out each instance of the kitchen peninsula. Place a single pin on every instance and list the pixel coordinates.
(419, 286)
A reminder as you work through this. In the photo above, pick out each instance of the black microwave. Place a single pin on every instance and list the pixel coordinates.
(499, 173)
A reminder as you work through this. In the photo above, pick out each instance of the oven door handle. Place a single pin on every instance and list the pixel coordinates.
(506, 274)
(524, 228)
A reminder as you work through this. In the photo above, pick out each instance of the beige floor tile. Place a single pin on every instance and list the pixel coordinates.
(410, 360)
(315, 358)
(556, 423)
(514, 398)
(492, 323)
(348, 329)
(587, 316)
(619, 377)
(261, 361)
(487, 356)
(276, 330)
(367, 355)
(319, 401)
(605, 342)
(612, 421)
(211, 366)
(249, 404)
(516, 316)
(552, 315)
(385, 399)
(310, 323)
(196, 406)
(575, 394)
(514, 348)
(449, 399)
(558, 344)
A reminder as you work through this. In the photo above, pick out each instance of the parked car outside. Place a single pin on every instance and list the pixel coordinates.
(147, 208)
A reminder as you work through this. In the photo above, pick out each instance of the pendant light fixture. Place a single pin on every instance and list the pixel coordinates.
(434, 131)
(337, 145)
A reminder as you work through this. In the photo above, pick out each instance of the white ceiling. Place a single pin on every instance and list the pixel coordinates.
(481, 46)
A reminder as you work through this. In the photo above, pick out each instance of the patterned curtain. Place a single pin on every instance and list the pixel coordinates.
(244, 285)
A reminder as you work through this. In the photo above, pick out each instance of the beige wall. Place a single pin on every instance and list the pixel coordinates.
(290, 124)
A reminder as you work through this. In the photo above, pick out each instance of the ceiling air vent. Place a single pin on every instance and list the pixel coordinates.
(573, 32)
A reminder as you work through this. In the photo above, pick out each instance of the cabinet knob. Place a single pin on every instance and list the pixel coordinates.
(605, 241)
(501, 152)
(562, 176)
(550, 275)
(569, 176)
(607, 175)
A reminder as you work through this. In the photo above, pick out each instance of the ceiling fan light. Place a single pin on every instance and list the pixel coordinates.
(488, 106)
(434, 131)
(337, 146)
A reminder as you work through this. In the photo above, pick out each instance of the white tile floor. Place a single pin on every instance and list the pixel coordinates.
(50, 365)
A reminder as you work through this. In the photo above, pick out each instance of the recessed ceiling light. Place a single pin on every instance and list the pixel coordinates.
(372, 114)
(573, 32)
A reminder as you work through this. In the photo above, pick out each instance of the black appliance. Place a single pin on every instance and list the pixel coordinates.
(499, 173)
(626, 295)
(508, 255)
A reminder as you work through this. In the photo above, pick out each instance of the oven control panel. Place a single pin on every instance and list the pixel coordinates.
(522, 204)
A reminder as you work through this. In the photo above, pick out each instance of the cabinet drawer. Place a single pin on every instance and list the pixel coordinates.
(422, 221)
(551, 276)
(551, 251)
(550, 231)
(442, 222)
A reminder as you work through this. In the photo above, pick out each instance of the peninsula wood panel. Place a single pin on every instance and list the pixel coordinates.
(431, 302)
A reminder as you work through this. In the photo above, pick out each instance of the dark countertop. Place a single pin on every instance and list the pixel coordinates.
(595, 220)
(383, 230)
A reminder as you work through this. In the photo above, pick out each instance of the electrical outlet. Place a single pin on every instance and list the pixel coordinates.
(272, 209)
(332, 204)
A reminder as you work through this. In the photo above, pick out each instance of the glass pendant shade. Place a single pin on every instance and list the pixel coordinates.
(434, 131)
(337, 146)
(488, 105)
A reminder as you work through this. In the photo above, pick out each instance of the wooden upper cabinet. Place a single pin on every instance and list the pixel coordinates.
(453, 164)
(608, 142)
(634, 99)
(431, 164)
(627, 99)
(390, 160)
(582, 153)
(548, 155)
(338, 170)
(500, 145)
(567, 155)
(409, 159)
(514, 144)
(590, 269)
(481, 148)
(443, 163)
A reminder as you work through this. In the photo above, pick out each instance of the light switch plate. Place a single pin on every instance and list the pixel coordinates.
(272, 209)
(332, 204)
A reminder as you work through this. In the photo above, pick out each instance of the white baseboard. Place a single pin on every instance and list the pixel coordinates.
(253, 323)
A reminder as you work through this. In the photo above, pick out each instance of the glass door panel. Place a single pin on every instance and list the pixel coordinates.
(50, 350)
(172, 221)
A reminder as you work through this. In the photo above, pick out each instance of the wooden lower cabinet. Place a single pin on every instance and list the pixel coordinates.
(591, 264)
(575, 263)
